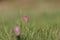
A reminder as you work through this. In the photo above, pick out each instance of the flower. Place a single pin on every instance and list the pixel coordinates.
(17, 30)
(25, 19)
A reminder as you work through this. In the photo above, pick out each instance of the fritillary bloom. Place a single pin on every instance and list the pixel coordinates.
(17, 30)
(25, 19)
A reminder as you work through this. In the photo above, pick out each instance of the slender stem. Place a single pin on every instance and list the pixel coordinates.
(18, 38)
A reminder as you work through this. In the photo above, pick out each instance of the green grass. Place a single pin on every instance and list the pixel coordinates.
(41, 26)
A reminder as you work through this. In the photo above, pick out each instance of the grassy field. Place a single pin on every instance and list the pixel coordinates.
(42, 25)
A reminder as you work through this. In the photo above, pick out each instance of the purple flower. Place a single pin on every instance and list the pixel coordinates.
(25, 19)
(17, 30)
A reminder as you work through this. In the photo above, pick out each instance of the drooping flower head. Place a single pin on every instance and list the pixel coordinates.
(25, 19)
(17, 30)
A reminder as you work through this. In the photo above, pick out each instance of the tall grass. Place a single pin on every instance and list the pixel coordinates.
(44, 26)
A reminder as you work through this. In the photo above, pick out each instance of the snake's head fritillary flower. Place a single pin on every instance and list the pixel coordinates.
(17, 30)
(25, 19)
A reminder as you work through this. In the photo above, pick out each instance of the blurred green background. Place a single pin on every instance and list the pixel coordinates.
(44, 19)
